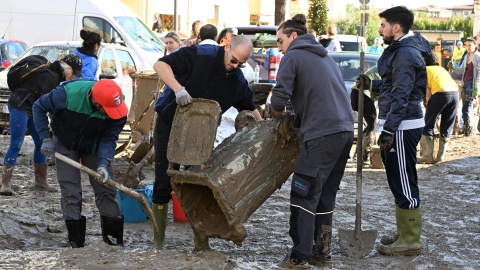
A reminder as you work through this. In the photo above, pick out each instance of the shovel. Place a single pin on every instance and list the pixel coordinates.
(358, 243)
(143, 201)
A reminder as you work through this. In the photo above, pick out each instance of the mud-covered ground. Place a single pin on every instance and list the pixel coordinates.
(33, 234)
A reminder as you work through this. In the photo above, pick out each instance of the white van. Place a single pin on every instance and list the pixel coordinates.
(35, 21)
(353, 43)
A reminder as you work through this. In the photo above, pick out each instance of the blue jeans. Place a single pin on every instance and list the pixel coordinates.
(19, 122)
(467, 103)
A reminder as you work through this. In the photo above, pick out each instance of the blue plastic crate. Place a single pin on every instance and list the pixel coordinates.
(132, 210)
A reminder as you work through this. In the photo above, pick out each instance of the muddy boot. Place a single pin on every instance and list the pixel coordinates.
(427, 153)
(76, 232)
(200, 242)
(112, 230)
(410, 228)
(7, 180)
(290, 263)
(442, 147)
(40, 171)
(467, 129)
(321, 255)
(160, 212)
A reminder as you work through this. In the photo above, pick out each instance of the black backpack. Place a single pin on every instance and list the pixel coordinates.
(24, 68)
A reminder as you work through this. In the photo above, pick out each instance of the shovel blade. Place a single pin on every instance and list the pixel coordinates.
(357, 245)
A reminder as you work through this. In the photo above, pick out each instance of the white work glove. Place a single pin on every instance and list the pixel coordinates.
(183, 97)
(103, 171)
(48, 148)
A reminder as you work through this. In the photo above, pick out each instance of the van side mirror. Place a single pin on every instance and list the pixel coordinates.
(118, 40)
(108, 75)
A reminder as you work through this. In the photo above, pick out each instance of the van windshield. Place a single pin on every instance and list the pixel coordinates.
(141, 34)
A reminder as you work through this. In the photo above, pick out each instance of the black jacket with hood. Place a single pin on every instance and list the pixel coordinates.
(313, 82)
(404, 83)
(34, 86)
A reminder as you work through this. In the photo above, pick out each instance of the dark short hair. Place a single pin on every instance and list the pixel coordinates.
(208, 31)
(223, 33)
(400, 15)
(431, 59)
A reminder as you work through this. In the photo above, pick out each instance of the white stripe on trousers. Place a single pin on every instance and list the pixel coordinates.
(404, 180)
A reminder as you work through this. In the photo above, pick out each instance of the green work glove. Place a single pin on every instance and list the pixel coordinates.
(475, 91)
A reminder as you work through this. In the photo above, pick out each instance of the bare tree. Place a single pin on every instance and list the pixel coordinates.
(280, 11)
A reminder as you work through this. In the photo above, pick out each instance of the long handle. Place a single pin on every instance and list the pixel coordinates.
(130, 192)
(358, 199)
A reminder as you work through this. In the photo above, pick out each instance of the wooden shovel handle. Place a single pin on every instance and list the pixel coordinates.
(130, 192)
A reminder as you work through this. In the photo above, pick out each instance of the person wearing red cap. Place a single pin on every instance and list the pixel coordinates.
(87, 117)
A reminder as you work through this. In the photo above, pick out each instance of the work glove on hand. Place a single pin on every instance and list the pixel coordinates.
(48, 148)
(103, 171)
(450, 65)
(385, 140)
(366, 81)
(183, 97)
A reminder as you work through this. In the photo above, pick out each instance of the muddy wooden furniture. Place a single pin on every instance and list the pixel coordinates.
(220, 189)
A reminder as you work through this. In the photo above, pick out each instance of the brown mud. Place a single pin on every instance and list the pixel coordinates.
(33, 233)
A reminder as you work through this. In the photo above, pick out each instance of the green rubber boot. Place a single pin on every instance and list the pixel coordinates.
(427, 153)
(391, 238)
(442, 147)
(160, 212)
(410, 229)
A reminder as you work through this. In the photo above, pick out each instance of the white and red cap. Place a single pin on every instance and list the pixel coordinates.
(109, 95)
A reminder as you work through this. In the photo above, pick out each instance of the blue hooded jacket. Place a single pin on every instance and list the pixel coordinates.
(404, 83)
(89, 64)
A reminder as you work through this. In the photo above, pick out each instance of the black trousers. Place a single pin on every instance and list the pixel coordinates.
(444, 104)
(162, 188)
(400, 165)
(316, 179)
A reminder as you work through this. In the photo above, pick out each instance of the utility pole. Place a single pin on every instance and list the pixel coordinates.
(363, 17)
(475, 17)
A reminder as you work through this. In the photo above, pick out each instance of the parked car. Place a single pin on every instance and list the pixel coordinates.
(115, 62)
(349, 64)
(10, 49)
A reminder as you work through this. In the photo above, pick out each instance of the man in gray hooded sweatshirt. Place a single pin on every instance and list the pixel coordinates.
(324, 124)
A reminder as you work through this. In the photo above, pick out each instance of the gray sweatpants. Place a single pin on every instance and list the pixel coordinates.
(69, 179)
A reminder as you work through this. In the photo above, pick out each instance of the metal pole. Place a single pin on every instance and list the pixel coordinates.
(175, 23)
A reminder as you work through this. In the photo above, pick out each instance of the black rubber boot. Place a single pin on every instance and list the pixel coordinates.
(76, 232)
(112, 230)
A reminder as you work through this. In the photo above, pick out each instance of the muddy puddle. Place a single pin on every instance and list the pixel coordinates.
(33, 233)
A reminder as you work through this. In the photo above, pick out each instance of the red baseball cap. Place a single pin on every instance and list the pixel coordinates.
(108, 94)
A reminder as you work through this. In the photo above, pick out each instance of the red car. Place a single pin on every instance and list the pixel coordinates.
(10, 49)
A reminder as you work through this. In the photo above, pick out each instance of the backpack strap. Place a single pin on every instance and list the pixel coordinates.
(35, 69)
